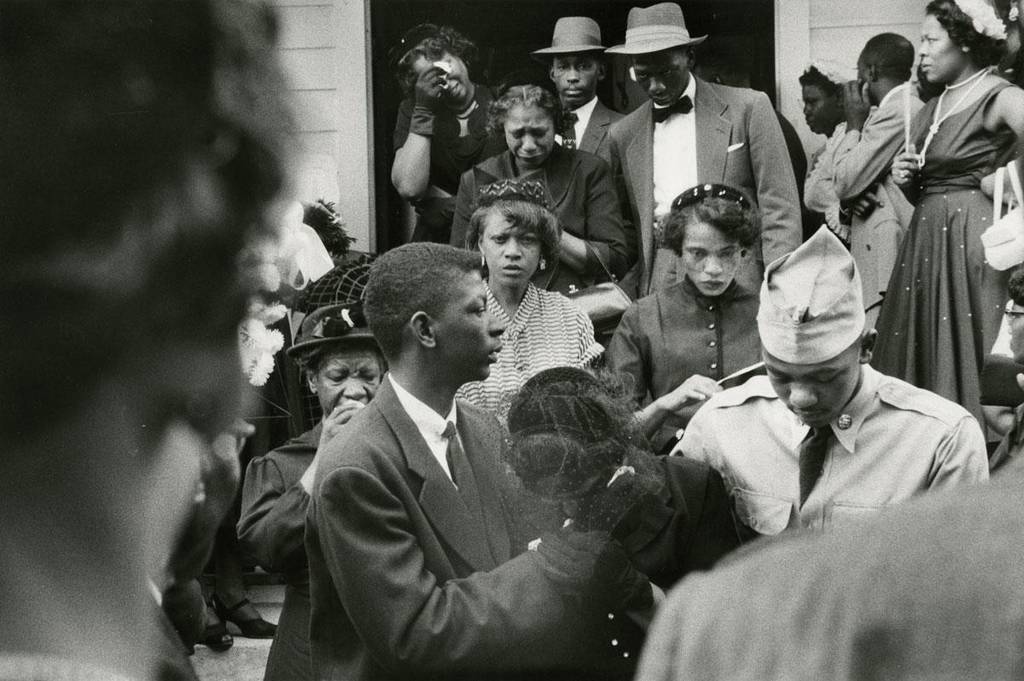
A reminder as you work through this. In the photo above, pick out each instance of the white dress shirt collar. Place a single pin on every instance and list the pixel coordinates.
(430, 424)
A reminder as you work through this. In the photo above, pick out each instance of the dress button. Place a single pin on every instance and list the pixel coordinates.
(712, 344)
(711, 326)
(713, 365)
(711, 308)
(615, 641)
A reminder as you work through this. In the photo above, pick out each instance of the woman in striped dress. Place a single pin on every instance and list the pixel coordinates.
(517, 235)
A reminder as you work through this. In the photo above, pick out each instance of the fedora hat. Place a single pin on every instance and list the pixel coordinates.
(572, 35)
(656, 28)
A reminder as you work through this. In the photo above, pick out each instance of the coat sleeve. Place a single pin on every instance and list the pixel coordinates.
(608, 234)
(465, 203)
(863, 157)
(630, 227)
(629, 353)
(272, 523)
(715, 531)
(777, 196)
(509, 618)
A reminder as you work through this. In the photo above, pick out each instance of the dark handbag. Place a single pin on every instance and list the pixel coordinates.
(604, 303)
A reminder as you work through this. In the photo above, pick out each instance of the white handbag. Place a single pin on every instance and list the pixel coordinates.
(1004, 240)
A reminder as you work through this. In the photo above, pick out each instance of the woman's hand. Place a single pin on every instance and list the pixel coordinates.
(906, 167)
(331, 426)
(430, 87)
(696, 388)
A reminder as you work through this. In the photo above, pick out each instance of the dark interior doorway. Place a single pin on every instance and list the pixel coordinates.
(741, 43)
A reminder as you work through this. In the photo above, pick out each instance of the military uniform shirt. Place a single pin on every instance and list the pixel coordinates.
(892, 441)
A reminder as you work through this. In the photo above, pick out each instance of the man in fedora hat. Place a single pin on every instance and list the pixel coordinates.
(693, 132)
(824, 439)
(576, 58)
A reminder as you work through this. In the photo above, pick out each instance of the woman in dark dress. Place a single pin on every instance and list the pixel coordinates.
(943, 304)
(343, 368)
(579, 185)
(676, 344)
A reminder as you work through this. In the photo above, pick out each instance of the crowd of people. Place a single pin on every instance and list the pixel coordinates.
(639, 400)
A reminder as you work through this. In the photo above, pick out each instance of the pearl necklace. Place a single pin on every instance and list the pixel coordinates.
(937, 120)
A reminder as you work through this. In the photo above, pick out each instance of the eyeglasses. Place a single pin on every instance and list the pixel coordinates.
(695, 195)
(1012, 314)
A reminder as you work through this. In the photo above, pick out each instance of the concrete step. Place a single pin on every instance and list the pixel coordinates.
(247, 658)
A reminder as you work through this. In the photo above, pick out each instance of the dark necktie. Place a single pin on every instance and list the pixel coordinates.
(813, 450)
(454, 453)
(569, 131)
(683, 105)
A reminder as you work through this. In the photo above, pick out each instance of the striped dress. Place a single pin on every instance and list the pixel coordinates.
(548, 331)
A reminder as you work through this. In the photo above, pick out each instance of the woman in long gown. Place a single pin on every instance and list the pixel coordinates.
(943, 306)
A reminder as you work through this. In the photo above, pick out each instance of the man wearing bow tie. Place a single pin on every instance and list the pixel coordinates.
(693, 132)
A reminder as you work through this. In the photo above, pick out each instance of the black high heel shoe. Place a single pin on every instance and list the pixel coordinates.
(251, 627)
(215, 633)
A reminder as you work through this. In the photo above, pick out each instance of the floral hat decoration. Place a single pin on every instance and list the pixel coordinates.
(530, 191)
(983, 18)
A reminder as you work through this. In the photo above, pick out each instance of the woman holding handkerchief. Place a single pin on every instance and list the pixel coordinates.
(943, 304)
(677, 343)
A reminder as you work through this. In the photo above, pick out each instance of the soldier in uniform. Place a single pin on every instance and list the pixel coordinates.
(824, 438)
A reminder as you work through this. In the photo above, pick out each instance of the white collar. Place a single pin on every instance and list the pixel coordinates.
(691, 90)
(584, 112)
(429, 422)
(891, 92)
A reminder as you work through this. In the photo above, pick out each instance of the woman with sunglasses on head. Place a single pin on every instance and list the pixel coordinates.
(442, 124)
(678, 342)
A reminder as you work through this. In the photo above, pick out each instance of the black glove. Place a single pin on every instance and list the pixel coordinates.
(429, 88)
(594, 565)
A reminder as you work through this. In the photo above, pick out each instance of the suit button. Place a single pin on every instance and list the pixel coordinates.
(713, 365)
(712, 344)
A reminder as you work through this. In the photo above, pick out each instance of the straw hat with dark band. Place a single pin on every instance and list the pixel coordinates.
(655, 28)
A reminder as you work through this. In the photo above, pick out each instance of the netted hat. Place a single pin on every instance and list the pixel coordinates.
(343, 283)
(564, 441)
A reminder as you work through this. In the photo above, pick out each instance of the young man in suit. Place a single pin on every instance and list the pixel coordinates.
(875, 106)
(413, 572)
(693, 132)
(577, 66)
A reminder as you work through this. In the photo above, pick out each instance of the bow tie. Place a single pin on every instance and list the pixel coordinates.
(683, 105)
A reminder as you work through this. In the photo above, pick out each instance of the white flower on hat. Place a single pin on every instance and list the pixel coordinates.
(832, 70)
(983, 18)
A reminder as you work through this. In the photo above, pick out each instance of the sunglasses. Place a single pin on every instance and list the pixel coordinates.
(695, 195)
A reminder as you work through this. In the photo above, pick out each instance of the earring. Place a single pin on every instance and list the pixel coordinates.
(543, 265)
(483, 262)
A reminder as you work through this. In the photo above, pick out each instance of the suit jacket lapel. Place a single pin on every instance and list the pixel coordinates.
(713, 133)
(640, 157)
(597, 128)
(485, 487)
(559, 172)
(439, 499)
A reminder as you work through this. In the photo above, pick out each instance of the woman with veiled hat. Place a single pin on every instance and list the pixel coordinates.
(343, 368)
(517, 235)
(577, 449)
